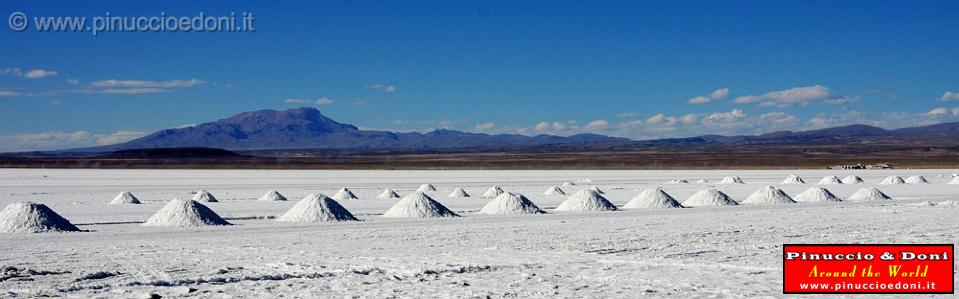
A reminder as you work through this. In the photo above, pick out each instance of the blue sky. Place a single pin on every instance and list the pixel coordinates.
(623, 68)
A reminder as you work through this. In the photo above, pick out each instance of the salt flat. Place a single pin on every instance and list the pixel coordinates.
(730, 251)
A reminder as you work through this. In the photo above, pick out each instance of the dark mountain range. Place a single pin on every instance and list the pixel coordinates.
(306, 129)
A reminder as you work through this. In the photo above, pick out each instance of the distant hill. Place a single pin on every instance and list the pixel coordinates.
(306, 129)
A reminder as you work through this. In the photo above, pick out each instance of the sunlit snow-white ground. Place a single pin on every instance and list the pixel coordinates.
(677, 253)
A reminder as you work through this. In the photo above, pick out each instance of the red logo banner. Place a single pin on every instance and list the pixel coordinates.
(868, 269)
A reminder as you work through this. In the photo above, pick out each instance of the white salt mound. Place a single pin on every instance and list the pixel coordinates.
(185, 212)
(317, 208)
(125, 197)
(204, 196)
(594, 188)
(492, 192)
(554, 190)
(916, 179)
(29, 217)
(586, 201)
(458, 193)
(418, 205)
(947, 203)
(511, 204)
(830, 180)
(816, 194)
(865, 194)
(679, 181)
(709, 198)
(768, 195)
(388, 194)
(569, 184)
(731, 180)
(954, 181)
(653, 198)
(344, 194)
(852, 179)
(702, 181)
(272, 195)
(426, 188)
(584, 180)
(893, 180)
(793, 179)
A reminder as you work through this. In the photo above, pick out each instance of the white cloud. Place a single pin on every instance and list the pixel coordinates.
(726, 117)
(129, 91)
(656, 119)
(295, 101)
(133, 87)
(147, 84)
(30, 74)
(626, 114)
(484, 127)
(542, 126)
(38, 73)
(719, 94)
(319, 101)
(56, 140)
(794, 96)
(597, 125)
(949, 96)
(387, 88)
(688, 119)
(938, 111)
(715, 95)
(7, 93)
(700, 100)
(554, 127)
(779, 118)
(818, 122)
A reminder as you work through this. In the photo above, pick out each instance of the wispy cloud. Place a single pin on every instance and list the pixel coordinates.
(29, 74)
(483, 127)
(128, 91)
(626, 114)
(718, 94)
(949, 96)
(135, 87)
(319, 101)
(779, 118)
(147, 84)
(597, 125)
(795, 96)
(387, 88)
(938, 111)
(8, 93)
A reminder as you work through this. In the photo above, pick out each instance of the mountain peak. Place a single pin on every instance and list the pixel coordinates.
(304, 117)
(308, 128)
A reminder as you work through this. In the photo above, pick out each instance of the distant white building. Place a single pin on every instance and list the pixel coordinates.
(861, 166)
